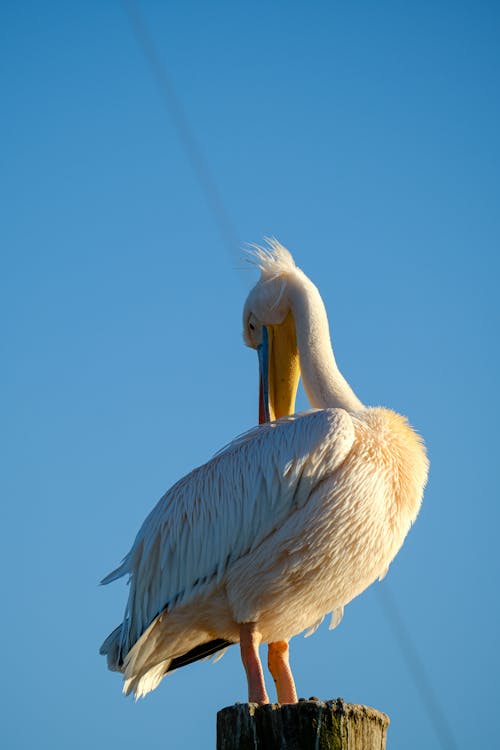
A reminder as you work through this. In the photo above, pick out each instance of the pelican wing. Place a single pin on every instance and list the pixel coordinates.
(224, 509)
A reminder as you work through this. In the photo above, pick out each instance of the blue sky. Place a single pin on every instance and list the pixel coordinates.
(365, 137)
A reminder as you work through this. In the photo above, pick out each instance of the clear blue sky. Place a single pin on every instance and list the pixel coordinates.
(365, 137)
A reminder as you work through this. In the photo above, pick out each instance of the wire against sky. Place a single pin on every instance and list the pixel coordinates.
(417, 669)
(186, 135)
(230, 237)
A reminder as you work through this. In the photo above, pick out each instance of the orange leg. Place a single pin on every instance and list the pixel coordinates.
(279, 666)
(250, 640)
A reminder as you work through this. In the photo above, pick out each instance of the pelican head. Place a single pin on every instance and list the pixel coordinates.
(269, 327)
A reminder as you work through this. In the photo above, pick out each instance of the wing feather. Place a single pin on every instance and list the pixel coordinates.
(225, 508)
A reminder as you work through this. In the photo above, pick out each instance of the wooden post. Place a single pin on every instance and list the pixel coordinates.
(306, 725)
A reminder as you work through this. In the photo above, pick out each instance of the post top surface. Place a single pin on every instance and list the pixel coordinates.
(336, 705)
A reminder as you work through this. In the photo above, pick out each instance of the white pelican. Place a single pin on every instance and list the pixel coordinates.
(289, 522)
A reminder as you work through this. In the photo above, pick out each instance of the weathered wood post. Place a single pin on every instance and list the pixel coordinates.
(306, 725)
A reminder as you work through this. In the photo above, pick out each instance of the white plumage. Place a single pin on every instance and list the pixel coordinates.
(289, 522)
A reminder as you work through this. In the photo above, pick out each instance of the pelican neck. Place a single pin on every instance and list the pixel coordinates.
(323, 382)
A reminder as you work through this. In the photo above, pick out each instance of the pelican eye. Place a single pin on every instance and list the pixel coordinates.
(251, 326)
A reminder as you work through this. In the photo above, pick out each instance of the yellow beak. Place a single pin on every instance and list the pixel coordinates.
(279, 370)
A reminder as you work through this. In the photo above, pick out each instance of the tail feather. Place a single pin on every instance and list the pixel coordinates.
(148, 651)
(111, 649)
(159, 650)
(142, 684)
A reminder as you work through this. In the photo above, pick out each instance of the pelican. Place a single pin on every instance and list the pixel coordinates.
(288, 523)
